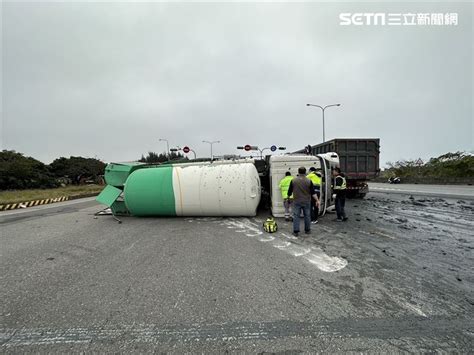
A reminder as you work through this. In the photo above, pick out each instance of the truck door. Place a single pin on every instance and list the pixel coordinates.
(326, 198)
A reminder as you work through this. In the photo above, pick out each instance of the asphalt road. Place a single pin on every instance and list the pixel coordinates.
(445, 191)
(396, 277)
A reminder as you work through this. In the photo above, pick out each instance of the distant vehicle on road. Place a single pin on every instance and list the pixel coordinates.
(358, 159)
(394, 180)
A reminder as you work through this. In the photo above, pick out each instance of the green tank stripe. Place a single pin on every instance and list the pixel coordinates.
(149, 192)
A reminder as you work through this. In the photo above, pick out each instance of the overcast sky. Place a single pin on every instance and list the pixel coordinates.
(109, 79)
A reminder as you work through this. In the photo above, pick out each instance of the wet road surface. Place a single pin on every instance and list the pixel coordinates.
(398, 276)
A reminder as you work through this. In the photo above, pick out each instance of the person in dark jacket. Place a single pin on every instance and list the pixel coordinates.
(340, 187)
(302, 190)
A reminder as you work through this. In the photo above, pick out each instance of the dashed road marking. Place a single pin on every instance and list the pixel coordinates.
(156, 335)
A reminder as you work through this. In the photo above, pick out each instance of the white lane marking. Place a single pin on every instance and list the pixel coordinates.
(314, 255)
(137, 334)
(325, 262)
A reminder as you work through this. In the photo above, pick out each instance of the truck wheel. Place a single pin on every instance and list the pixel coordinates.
(361, 195)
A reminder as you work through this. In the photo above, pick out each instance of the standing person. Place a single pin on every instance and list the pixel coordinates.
(284, 186)
(315, 178)
(302, 190)
(340, 190)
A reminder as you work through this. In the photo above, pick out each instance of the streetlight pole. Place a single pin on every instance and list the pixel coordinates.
(323, 109)
(211, 143)
(261, 152)
(167, 145)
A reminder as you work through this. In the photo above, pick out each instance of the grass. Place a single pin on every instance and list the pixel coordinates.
(14, 196)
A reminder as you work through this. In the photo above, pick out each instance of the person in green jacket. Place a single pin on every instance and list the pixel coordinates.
(284, 186)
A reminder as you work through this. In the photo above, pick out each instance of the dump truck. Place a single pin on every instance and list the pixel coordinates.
(358, 160)
(217, 188)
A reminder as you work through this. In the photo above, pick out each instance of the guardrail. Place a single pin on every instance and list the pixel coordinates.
(33, 203)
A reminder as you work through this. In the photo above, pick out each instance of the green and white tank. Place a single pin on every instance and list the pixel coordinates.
(210, 189)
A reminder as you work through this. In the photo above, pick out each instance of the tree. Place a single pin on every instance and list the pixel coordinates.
(154, 158)
(449, 165)
(77, 167)
(20, 172)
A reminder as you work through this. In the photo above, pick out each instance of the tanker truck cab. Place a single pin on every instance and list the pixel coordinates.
(280, 164)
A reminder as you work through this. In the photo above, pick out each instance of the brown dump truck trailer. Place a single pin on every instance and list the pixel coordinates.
(358, 158)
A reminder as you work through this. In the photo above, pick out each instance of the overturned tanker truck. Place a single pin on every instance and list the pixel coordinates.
(218, 188)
